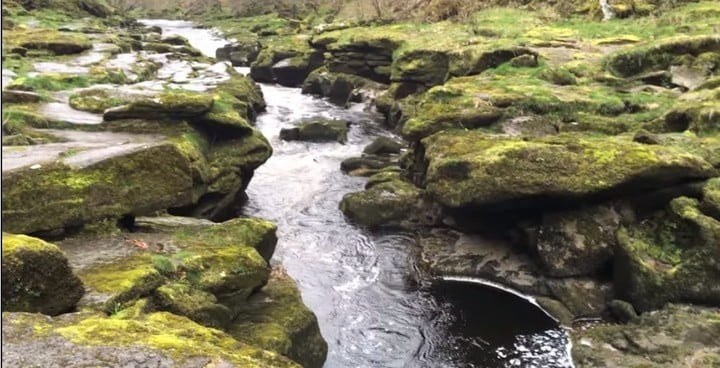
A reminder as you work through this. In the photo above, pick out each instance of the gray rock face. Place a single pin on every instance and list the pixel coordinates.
(579, 242)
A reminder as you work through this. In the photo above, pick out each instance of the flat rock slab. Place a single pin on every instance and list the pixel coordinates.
(83, 149)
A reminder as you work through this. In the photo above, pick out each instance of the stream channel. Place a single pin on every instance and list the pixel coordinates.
(372, 306)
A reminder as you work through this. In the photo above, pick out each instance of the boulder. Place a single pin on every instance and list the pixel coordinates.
(383, 146)
(317, 130)
(469, 169)
(36, 277)
(524, 61)
(675, 336)
(339, 88)
(579, 242)
(135, 178)
(583, 297)
(425, 67)
(388, 204)
(711, 198)
(241, 53)
(291, 72)
(167, 105)
(158, 339)
(276, 319)
(58, 43)
(176, 40)
(659, 54)
(13, 96)
(367, 165)
(670, 257)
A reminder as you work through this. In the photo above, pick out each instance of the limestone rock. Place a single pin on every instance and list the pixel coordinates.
(317, 130)
(36, 277)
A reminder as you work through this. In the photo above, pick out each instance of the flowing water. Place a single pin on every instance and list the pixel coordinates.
(372, 309)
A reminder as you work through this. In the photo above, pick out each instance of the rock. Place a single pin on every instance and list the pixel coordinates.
(366, 165)
(584, 298)
(468, 169)
(671, 337)
(340, 88)
(645, 137)
(58, 43)
(524, 61)
(36, 277)
(669, 257)
(536, 126)
(659, 54)
(292, 72)
(95, 100)
(474, 59)
(261, 68)
(383, 176)
(157, 339)
(12, 96)
(317, 130)
(485, 256)
(559, 76)
(276, 319)
(383, 146)
(390, 204)
(556, 309)
(181, 299)
(711, 198)
(176, 40)
(168, 223)
(622, 311)
(577, 243)
(168, 105)
(425, 67)
(135, 178)
(241, 53)
(687, 77)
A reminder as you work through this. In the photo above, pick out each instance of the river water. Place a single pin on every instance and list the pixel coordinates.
(363, 286)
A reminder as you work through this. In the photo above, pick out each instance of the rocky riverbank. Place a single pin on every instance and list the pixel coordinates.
(105, 121)
(568, 158)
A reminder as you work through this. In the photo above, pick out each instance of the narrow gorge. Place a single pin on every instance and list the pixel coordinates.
(520, 186)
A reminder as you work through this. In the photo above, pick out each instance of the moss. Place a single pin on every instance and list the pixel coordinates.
(390, 203)
(36, 277)
(170, 104)
(473, 169)
(94, 100)
(669, 258)
(711, 198)
(58, 43)
(50, 82)
(57, 195)
(660, 55)
(276, 319)
(226, 116)
(174, 336)
(184, 300)
(121, 281)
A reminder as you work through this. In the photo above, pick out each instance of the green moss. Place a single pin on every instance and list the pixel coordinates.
(392, 203)
(174, 336)
(58, 195)
(94, 100)
(54, 290)
(276, 319)
(184, 300)
(50, 82)
(58, 43)
(121, 281)
(470, 168)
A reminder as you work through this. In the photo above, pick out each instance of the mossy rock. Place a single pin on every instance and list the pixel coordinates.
(475, 170)
(66, 193)
(711, 198)
(393, 203)
(276, 319)
(579, 242)
(291, 72)
(665, 339)
(182, 299)
(58, 43)
(226, 118)
(368, 165)
(94, 100)
(167, 105)
(113, 285)
(158, 339)
(420, 66)
(36, 277)
(659, 55)
(340, 88)
(317, 130)
(671, 257)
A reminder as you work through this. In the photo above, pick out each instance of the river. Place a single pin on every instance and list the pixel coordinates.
(363, 286)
